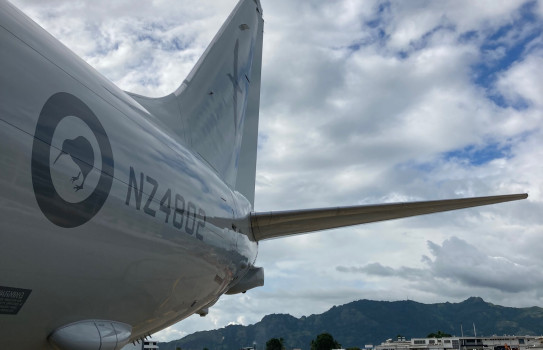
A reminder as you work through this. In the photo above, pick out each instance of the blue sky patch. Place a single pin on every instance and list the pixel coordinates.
(468, 36)
(423, 41)
(479, 155)
(502, 48)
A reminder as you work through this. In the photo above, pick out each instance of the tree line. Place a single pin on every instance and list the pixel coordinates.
(324, 341)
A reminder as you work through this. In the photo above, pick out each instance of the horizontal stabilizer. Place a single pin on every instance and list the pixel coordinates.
(266, 225)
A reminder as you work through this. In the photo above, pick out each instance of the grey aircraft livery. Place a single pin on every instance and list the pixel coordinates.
(123, 214)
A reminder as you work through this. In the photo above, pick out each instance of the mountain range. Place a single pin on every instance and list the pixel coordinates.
(371, 322)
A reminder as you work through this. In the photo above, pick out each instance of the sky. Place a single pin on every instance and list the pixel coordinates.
(362, 102)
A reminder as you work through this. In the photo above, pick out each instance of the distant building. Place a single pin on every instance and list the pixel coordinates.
(142, 345)
(389, 344)
(465, 343)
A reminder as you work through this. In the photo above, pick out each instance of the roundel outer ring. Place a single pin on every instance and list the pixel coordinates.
(53, 206)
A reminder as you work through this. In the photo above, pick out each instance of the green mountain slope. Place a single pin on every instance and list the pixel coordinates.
(371, 322)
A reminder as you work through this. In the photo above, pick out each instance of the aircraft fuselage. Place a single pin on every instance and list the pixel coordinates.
(129, 226)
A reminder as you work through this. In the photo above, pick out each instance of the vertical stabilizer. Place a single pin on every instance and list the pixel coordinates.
(215, 110)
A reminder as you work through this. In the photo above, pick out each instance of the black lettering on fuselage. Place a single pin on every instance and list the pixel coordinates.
(146, 209)
(167, 199)
(133, 184)
(190, 208)
(187, 215)
(201, 223)
(179, 211)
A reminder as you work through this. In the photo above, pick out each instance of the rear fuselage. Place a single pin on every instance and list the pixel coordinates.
(128, 226)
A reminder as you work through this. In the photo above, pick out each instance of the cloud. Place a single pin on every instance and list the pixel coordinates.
(456, 261)
(519, 85)
(145, 47)
(371, 269)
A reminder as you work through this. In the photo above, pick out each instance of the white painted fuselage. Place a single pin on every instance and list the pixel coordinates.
(160, 247)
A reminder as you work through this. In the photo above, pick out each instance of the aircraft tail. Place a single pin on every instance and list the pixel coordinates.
(215, 110)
